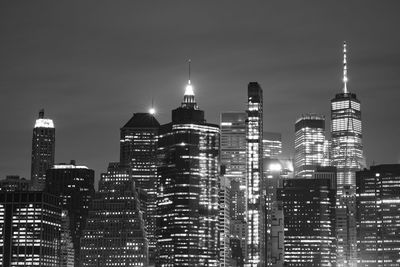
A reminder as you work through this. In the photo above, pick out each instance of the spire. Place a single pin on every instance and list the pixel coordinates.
(345, 68)
(41, 113)
(188, 98)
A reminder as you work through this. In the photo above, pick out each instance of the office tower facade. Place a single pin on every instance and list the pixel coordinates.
(378, 216)
(310, 145)
(309, 219)
(43, 150)
(274, 173)
(14, 183)
(347, 157)
(30, 224)
(74, 184)
(138, 151)
(254, 168)
(187, 198)
(233, 158)
(115, 234)
(347, 148)
(272, 144)
(224, 220)
(67, 251)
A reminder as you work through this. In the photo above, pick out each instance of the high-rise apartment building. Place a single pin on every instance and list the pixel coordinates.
(347, 157)
(30, 227)
(187, 199)
(138, 151)
(378, 216)
(310, 145)
(309, 219)
(43, 150)
(254, 169)
(233, 158)
(74, 184)
(272, 144)
(115, 234)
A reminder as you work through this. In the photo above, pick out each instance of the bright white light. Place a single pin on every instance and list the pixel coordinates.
(275, 167)
(44, 123)
(189, 90)
(152, 111)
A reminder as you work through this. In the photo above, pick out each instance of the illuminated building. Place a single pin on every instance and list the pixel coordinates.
(272, 144)
(138, 150)
(187, 199)
(115, 232)
(310, 144)
(378, 216)
(347, 157)
(233, 157)
(30, 224)
(74, 184)
(254, 168)
(309, 220)
(43, 150)
(14, 183)
(67, 251)
(274, 172)
(224, 221)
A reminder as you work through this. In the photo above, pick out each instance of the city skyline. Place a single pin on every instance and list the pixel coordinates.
(85, 107)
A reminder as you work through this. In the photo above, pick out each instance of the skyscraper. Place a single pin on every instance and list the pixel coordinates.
(224, 219)
(14, 183)
(138, 151)
(115, 234)
(347, 157)
(74, 184)
(30, 224)
(378, 216)
(272, 144)
(233, 158)
(309, 219)
(187, 220)
(347, 148)
(310, 152)
(43, 150)
(254, 168)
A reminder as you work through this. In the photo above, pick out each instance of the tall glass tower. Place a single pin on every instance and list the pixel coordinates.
(310, 144)
(43, 150)
(187, 198)
(254, 169)
(347, 157)
(347, 148)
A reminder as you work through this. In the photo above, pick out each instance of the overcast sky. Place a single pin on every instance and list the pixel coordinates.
(92, 64)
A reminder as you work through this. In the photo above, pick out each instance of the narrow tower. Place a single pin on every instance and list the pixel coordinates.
(43, 149)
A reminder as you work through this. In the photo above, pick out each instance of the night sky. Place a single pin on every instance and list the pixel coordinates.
(92, 64)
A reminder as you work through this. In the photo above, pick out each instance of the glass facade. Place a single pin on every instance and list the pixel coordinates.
(272, 144)
(255, 199)
(310, 145)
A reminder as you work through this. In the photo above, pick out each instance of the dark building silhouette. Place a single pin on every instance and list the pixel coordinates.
(115, 234)
(74, 185)
(14, 183)
(138, 151)
(43, 150)
(309, 219)
(255, 252)
(187, 198)
(30, 227)
(378, 216)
